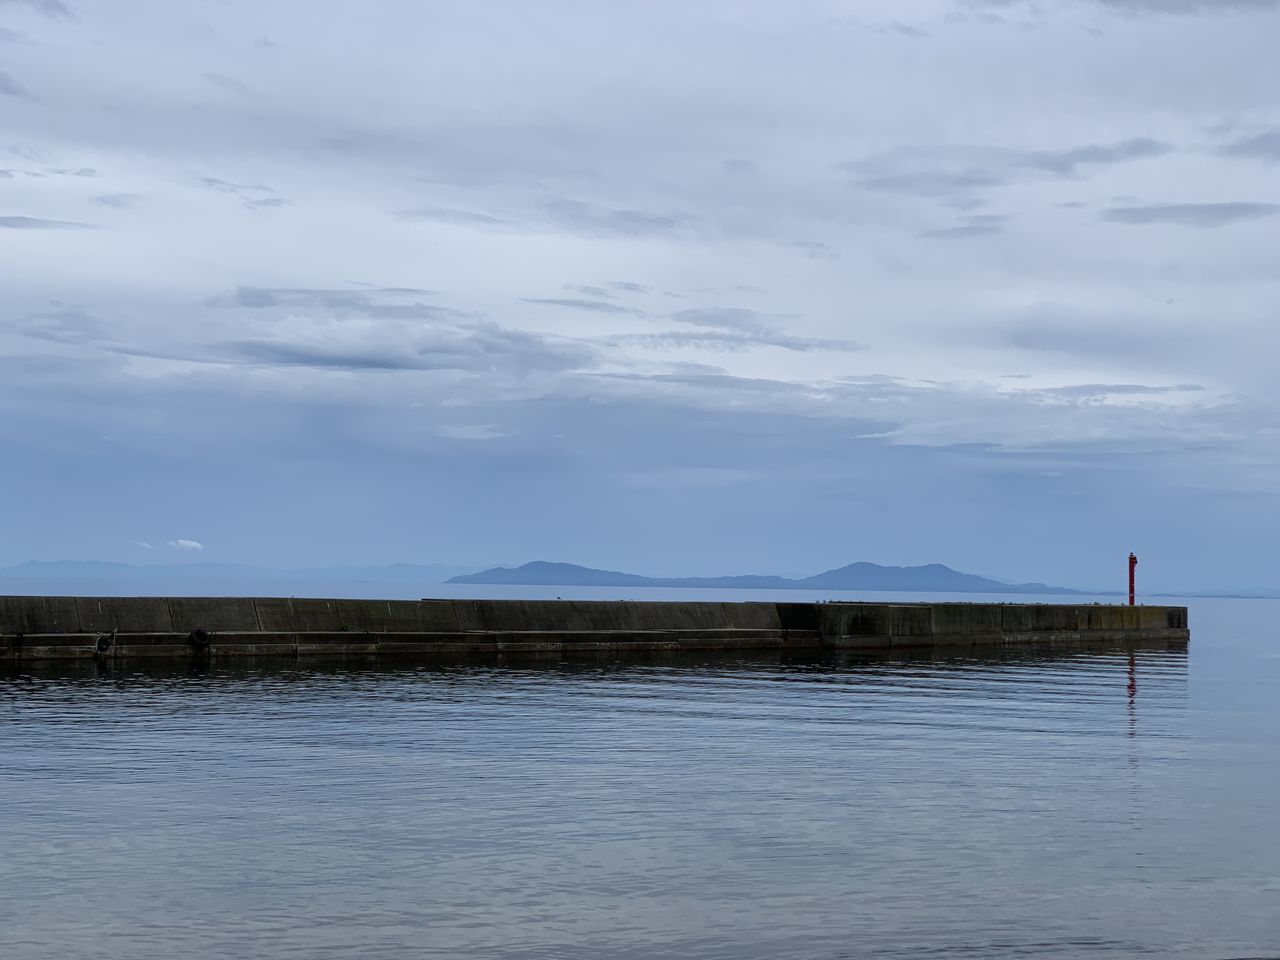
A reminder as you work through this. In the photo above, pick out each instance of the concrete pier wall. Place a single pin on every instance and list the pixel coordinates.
(123, 627)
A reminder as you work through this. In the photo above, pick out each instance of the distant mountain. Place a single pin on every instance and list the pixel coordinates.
(930, 578)
(55, 570)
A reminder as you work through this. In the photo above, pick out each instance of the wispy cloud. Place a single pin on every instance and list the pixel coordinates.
(597, 293)
(63, 325)
(50, 8)
(253, 196)
(813, 249)
(733, 329)
(465, 218)
(9, 87)
(1190, 6)
(1203, 215)
(470, 431)
(970, 225)
(901, 29)
(604, 221)
(230, 84)
(728, 318)
(372, 302)
(118, 201)
(735, 341)
(38, 223)
(1068, 162)
(1262, 146)
(1154, 6)
(954, 173)
(374, 341)
(934, 184)
(595, 306)
(184, 544)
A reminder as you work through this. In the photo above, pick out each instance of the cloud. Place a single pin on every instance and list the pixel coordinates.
(931, 184)
(143, 544)
(1190, 6)
(364, 302)
(596, 306)
(1157, 6)
(738, 167)
(813, 249)
(727, 318)
(29, 153)
(372, 343)
(50, 8)
(470, 431)
(182, 544)
(1103, 391)
(972, 225)
(286, 354)
(558, 214)
(10, 87)
(899, 28)
(630, 287)
(37, 223)
(118, 201)
(732, 329)
(226, 186)
(505, 150)
(230, 84)
(957, 173)
(734, 341)
(70, 325)
(1067, 162)
(253, 196)
(1202, 215)
(709, 380)
(464, 218)
(1263, 146)
(603, 221)
(367, 331)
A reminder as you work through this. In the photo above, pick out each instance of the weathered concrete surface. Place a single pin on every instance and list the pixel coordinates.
(123, 627)
(230, 613)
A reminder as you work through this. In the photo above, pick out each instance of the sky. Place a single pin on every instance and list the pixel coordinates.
(678, 288)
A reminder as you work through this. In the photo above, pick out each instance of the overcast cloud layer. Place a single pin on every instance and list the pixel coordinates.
(680, 288)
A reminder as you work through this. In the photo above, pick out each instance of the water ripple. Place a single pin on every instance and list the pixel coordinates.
(1023, 806)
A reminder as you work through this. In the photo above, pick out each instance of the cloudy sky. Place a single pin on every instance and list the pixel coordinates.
(708, 286)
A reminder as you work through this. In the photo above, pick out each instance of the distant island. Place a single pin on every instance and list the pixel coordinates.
(930, 578)
(407, 580)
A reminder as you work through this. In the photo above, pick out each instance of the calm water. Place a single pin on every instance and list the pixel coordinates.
(1069, 806)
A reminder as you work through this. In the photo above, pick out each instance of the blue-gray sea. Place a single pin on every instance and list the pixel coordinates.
(1091, 805)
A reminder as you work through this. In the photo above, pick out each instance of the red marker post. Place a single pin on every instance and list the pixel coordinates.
(1133, 564)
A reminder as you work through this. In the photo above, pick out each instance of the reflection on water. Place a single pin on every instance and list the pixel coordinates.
(1093, 804)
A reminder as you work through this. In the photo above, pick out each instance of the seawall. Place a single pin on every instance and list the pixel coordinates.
(34, 628)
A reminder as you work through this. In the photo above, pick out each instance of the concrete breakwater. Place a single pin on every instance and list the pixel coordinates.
(121, 627)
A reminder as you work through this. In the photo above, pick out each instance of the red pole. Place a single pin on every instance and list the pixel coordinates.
(1133, 562)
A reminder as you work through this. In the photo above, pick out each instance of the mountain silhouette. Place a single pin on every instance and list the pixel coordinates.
(929, 578)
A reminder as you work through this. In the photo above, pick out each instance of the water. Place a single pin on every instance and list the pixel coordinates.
(1026, 806)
